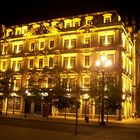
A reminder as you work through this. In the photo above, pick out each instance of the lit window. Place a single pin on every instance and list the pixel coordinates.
(5, 50)
(73, 62)
(52, 44)
(14, 65)
(19, 65)
(65, 63)
(50, 62)
(20, 48)
(86, 82)
(15, 48)
(40, 63)
(32, 47)
(42, 45)
(4, 65)
(87, 60)
(87, 40)
(31, 63)
(107, 17)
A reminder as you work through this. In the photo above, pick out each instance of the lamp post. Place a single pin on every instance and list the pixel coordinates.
(27, 93)
(86, 97)
(14, 97)
(102, 64)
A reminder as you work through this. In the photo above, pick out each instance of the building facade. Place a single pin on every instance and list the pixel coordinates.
(72, 45)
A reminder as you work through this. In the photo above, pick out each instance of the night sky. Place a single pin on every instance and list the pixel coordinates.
(25, 11)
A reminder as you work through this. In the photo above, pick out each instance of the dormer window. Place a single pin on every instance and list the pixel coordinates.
(9, 32)
(24, 29)
(18, 30)
(54, 23)
(68, 23)
(107, 18)
(76, 22)
(89, 20)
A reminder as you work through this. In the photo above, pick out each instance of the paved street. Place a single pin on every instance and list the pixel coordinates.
(17, 127)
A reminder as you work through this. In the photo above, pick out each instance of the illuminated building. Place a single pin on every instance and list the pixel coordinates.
(76, 42)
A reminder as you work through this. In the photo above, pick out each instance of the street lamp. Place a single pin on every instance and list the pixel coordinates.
(102, 64)
(86, 97)
(14, 97)
(27, 93)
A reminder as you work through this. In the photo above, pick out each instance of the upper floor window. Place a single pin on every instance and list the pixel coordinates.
(31, 63)
(52, 44)
(41, 63)
(87, 60)
(4, 65)
(69, 62)
(69, 42)
(42, 45)
(51, 62)
(87, 40)
(32, 46)
(86, 82)
(16, 65)
(18, 48)
(21, 48)
(15, 49)
(107, 38)
(107, 17)
(5, 50)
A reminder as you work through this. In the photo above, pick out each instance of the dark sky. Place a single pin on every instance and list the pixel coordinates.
(25, 11)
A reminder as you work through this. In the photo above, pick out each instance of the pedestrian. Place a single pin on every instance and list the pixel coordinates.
(135, 115)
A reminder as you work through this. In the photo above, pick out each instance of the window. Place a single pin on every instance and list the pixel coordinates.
(73, 62)
(51, 44)
(111, 57)
(20, 48)
(14, 65)
(15, 48)
(42, 45)
(73, 42)
(40, 63)
(19, 65)
(18, 83)
(87, 60)
(5, 49)
(65, 63)
(67, 25)
(66, 43)
(69, 42)
(107, 17)
(50, 62)
(31, 63)
(107, 39)
(76, 24)
(87, 40)
(4, 65)
(111, 39)
(86, 82)
(32, 46)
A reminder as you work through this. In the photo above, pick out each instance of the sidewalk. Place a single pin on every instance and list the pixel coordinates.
(71, 120)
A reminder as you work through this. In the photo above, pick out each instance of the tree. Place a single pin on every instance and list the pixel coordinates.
(6, 84)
